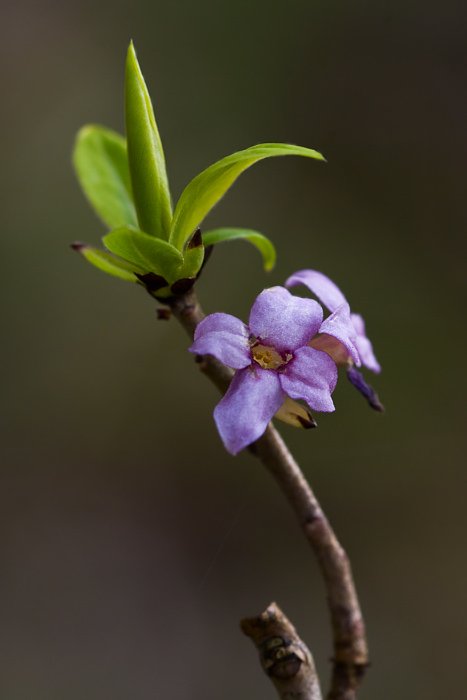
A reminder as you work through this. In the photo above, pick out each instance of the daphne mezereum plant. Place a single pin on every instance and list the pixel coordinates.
(287, 353)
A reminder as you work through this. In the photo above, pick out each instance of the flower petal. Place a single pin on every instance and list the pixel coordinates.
(311, 376)
(332, 347)
(225, 337)
(327, 292)
(221, 322)
(251, 401)
(284, 321)
(364, 346)
(365, 389)
(339, 324)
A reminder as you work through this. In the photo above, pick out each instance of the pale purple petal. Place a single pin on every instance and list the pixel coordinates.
(221, 322)
(339, 325)
(284, 321)
(311, 376)
(364, 346)
(367, 356)
(243, 414)
(327, 292)
(358, 324)
(225, 337)
(232, 350)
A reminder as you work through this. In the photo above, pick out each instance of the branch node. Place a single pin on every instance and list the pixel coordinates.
(284, 657)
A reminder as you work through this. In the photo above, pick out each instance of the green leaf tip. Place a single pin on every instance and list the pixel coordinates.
(108, 263)
(208, 187)
(145, 154)
(263, 244)
(101, 164)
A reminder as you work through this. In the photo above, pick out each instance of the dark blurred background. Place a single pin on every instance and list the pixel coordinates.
(131, 543)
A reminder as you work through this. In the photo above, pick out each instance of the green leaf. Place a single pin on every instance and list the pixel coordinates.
(209, 186)
(148, 253)
(263, 244)
(107, 263)
(101, 163)
(192, 262)
(145, 155)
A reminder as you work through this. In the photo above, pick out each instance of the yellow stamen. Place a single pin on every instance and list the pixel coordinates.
(267, 357)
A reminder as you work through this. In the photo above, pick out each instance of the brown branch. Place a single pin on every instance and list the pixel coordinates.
(284, 657)
(350, 647)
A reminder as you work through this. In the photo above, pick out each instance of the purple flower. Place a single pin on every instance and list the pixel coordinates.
(331, 296)
(273, 359)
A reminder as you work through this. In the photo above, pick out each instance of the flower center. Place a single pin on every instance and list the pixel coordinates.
(267, 357)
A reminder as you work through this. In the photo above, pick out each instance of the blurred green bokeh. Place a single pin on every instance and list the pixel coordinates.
(116, 494)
